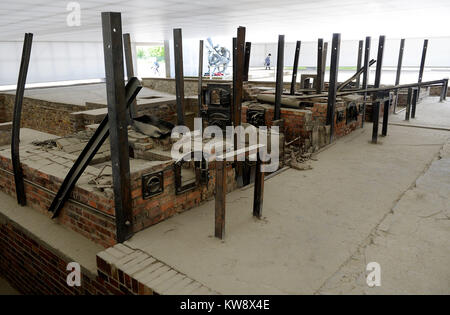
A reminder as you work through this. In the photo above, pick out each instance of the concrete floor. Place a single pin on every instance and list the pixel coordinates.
(318, 223)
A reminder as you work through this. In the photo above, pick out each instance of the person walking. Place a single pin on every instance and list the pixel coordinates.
(267, 62)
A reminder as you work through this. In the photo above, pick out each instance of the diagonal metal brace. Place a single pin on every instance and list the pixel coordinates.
(358, 73)
(101, 134)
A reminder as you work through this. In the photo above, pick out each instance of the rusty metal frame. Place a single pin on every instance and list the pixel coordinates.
(15, 136)
(279, 82)
(179, 75)
(295, 67)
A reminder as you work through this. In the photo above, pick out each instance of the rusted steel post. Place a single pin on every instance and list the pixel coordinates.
(376, 117)
(385, 117)
(320, 65)
(295, 67)
(408, 104)
(179, 75)
(399, 71)
(237, 89)
(15, 136)
(258, 194)
(248, 48)
(422, 63)
(366, 76)
(332, 89)
(130, 71)
(414, 102)
(279, 82)
(359, 62)
(200, 78)
(380, 54)
(444, 89)
(117, 117)
(220, 198)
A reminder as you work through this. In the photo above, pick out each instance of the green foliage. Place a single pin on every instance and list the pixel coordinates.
(153, 51)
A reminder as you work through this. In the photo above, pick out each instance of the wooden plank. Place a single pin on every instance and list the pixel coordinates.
(221, 191)
(117, 117)
(15, 135)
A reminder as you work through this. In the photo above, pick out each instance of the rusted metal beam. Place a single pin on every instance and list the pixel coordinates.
(376, 117)
(130, 70)
(248, 47)
(408, 104)
(422, 63)
(238, 88)
(332, 89)
(258, 193)
(359, 62)
(385, 117)
(414, 102)
(279, 81)
(15, 136)
(399, 71)
(295, 68)
(179, 75)
(117, 117)
(320, 66)
(365, 76)
(220, 198)
(200, 77)
(380, 55)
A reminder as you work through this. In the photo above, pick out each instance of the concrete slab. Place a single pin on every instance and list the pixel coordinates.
(314, 221)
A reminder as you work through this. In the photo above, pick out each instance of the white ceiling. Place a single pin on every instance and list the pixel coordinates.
(153, 20)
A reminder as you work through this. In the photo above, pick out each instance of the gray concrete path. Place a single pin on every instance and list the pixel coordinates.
(314, 222)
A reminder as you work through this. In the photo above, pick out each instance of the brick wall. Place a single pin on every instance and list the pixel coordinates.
(33, 267)
(42, 115)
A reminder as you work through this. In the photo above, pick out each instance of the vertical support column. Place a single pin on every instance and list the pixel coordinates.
(386, 106)
(258, 194)
(408, 104)
(279, 82)
(295, 68)
(331, 108)
(167, 58)
(130, 70)
(248, 48)
(324, 63)
(380, 54)
(365, 76)
(376, 117)
(237, 88)
(15, 136)
(319, 79)
(399, 71)
(414, 102)
(221, 191)
(200, 77)
(117, 114)
(444, 90)
(233, 105)
(359, 62)
(179, 75)
(422, 63)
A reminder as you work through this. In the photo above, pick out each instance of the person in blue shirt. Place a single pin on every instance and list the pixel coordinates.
(267, 61)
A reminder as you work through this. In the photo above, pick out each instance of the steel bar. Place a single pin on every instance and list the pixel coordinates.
(117, 117)
(258, 193)
(386, 107)
(399, 71)
(332, 89)
(320, 65)
(220, 199)
(179, 75)
(324, 62)
(238, 88)
(248, 48)
(15, 136)
(233, 105)
(279, 81)
(130, 70)
(414, 102)
(422, 62)
(380, 54)
(444, 90)
(408, 104)
(358, 73)
(359, 62)
(295, 68)
(365, 76)
(376, 117)
(90, 150)
(200, 77)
